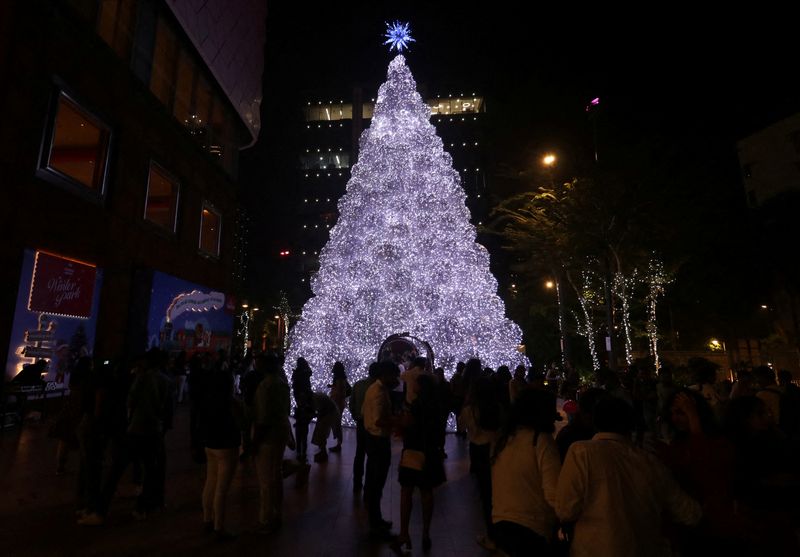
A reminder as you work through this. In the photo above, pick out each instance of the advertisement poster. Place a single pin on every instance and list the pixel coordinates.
(56, 315)
(187, 316)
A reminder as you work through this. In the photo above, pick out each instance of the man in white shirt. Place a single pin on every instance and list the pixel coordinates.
(378, 422)
(616, 494)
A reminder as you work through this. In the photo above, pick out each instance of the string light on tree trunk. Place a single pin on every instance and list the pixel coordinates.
(623, 288)
(587, 297)
(657, 280)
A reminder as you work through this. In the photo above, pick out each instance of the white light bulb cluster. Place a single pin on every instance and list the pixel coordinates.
(402, 257)
(587, 297)
(623, 288)
(657, 280)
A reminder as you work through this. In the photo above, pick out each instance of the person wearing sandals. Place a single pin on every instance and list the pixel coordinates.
(421, 463)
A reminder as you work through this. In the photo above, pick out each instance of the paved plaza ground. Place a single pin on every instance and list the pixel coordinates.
(323, 519)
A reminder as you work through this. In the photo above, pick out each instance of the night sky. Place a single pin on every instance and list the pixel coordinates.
(674, 79)
(717, 74)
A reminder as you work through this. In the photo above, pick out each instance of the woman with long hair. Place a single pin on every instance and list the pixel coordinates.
(304, 406)
(482, 418)
(525, 468)
(421, 463)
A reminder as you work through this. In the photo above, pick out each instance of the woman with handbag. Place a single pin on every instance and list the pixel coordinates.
(421, 464)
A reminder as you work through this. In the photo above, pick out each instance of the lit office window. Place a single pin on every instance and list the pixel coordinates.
(210, 228)
(161, 206)
(327, 112)
(325, 161)
(367, 110)
(78, 146)
(450, 106)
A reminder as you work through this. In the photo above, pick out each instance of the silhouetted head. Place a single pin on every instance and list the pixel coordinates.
(614, 415)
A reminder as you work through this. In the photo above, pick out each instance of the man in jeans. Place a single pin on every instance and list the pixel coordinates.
(356, 403)
(270, 434)
(378, 422)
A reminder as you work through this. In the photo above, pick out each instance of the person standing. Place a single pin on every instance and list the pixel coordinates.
(525, 468)
(410, 376)
(327, 414)
(481, 417)
(616, 493)
(252, 378)
(221, 437)
(147, 401)
(517, 383)
(270, 435)
(421, 463)
(179, 366)
(378, 423)
(458, 395)
(340, 390)
(303, 406)
(356, 403)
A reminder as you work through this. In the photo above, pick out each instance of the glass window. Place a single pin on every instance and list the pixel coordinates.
(367, 110)
(467, 105)
(165, 57)
(202, 102)
(116, 20)
(325, 161)
(161, 206)
(219, 130)
(184, 83)
(210, 228)
(322, 112)
(79, 146)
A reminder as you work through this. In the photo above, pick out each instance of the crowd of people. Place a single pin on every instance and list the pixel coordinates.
(642, 466)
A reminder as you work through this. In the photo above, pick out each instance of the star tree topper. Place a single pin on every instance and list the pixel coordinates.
(398, 35)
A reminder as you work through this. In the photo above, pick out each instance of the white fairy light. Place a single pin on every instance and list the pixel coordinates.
(402, 256)
(623, 288)
(586, 298)
(657, 280)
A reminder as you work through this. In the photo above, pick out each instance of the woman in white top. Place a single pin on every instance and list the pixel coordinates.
(525, 469)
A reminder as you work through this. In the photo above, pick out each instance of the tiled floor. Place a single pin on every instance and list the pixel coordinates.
(322, 519)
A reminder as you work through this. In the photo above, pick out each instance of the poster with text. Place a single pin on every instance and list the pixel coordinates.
(56, 315)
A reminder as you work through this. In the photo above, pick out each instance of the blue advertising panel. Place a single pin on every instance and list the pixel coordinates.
(56, 315)
(188, 316)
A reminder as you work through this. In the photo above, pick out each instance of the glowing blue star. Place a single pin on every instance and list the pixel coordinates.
(398, 35)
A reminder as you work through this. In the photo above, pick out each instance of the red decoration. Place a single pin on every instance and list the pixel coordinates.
(62, 286)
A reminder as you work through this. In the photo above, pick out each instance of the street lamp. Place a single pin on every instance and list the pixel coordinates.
(549, 159)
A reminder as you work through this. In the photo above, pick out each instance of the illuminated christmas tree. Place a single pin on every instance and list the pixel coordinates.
(402, 257)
